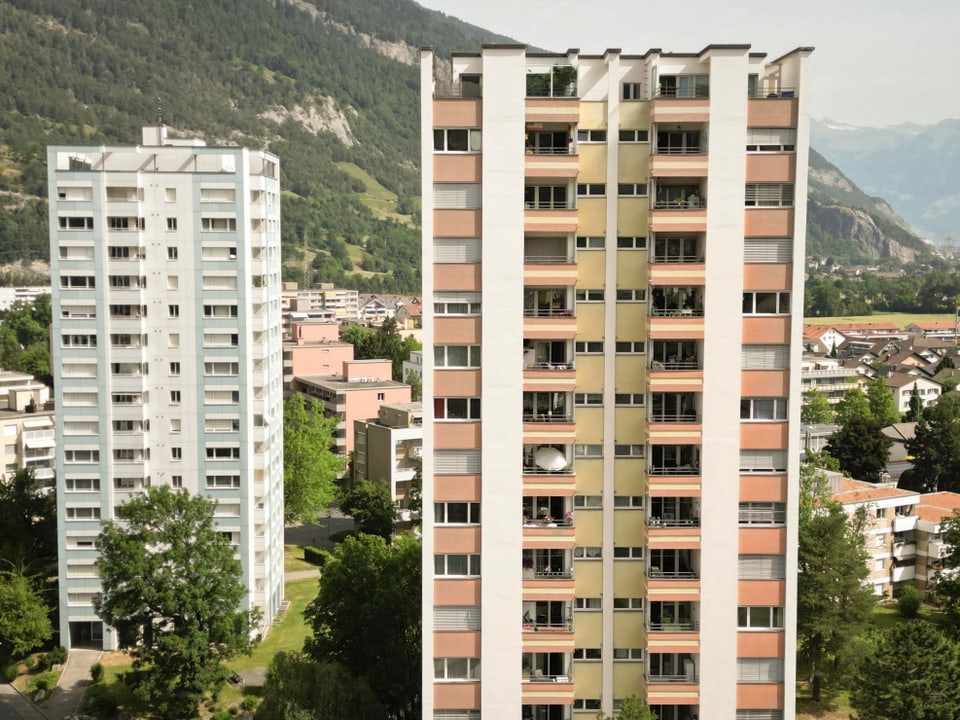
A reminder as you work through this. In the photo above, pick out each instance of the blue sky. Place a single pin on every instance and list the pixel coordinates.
(877, 62)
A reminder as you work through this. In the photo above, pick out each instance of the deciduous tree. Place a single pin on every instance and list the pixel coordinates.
(946, 585)
(883, 406)
(853, 404)
(24, 614)
(367, 618)
(172, 590)
(861, 448)
(28, 520)
(935, 446)
(310, 468)
(634, 708)
(816, 408)
(371, 506)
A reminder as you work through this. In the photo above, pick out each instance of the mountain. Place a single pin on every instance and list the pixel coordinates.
(844, 222)
(916, 167)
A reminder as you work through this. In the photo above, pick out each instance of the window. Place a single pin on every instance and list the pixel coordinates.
(763, 408)
(766, 303)
(626, 347)
(631, 654)
(586, 451)
(456, 250)
(215, 224)
(176, 425)
(223, 453)
(456, 462)
(587, 399)
(762, 513)
(76, 223)
(769, 195)
(175, 368)
(83, 513)
(456, 513)
(221, 397)
(631, 91)
(81, 484)
(456, 565)
(759, 714)
(589, 295)
(588, 603)
(765, 357)
(115, 222)
(78, 340)
(456, 618)
(759, 670)
(127, 281)
(759, 618)
(586, 653)
(81, 456)
(592, 347)
(457, 140)
(763, 461)
(72, 193)
(128, 311)
(127, 398)
(590, 243)
(634, 136)
(85, 312)
(221, 424)
(586, 704)
(632, 243)
(176, 453)
(448, 303)
(456, 356)
(593, 502)
(588, 136)
(456, 408)
(587, 553)
(174, 397)
(771, 139)
(130, 426)
(456, 668)
(633, 502)
(77, 281)
(173, 311)
(227, 195)
(171, 226)
(176, 481)
(634, 295)
(545, 197)
(221, 368)
(633, 451)
(635, 603)
(761, 567)
(222, 482)
(220, 311)
(628, 553)
(456, 196)
(630, 399)
(684, 86)
(632, 189)
(591, 189)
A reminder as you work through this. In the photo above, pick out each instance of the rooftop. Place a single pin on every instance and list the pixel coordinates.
(859, 491)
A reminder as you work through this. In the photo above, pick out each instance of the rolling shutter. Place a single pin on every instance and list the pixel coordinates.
(762, 567)
(765, 357)
(456, 250)
(768, 250)
(456, 462)
(456, 196)
(455, 618)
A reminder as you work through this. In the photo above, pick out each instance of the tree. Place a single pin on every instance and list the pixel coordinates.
(883, 406)
(298, 688)
(853, 404)
(28, 520)
(172, 590)
(366, 618)
(935, 446)
(833, 604)
(816, 408)
(946, 580)
(910, 671)
(310, 468)
(634, 708)
(861, 448)
(24, 614)
(416, 385)
(371, 506)
(946, 364)
(916, 405)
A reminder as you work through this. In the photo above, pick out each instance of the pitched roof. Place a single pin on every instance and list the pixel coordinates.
(901, 379)
(934, 507)
(859, 491)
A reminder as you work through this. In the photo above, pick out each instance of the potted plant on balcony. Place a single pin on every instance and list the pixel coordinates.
(564, 80)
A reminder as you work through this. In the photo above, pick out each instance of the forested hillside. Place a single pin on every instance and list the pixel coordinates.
(330, 86)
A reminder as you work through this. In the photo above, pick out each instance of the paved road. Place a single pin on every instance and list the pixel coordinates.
(73, 681)
(14, 706)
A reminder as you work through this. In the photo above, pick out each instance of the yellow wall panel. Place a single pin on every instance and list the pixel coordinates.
(632, 268)
(588, 578)
(589, 424)
(630, 425)
(589, 524)
(588, 628)
(628, 630)
(627, 678)
(627, 579)
(628, 529)
(630, 373)
(592, 214)
(593, 163)
(635, 114)
(589, 476)
(593, 115)
(632, 215)
(591, 267)
(590, 320)
(588, 676)
(629, 476)
(631, 320)
(634, 162)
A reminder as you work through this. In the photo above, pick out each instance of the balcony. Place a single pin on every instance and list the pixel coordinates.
(675, 355)
(548, 314)
(674, 407)
(904, 523)
(547, 626)
(682, 249)
(550, 151)
(672, 617)
(677, 301)
(672, 668)
(560, 81)
(678, 208)
(468, 86)
(672, 512)
(674, 460)
(673, 564)
(899, 573)
(546, 712)
(547, 459)
(679, 153)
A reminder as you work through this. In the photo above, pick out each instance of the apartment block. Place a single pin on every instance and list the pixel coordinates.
(166, 336)
(26, 424)
(387, 449)
(613, 253)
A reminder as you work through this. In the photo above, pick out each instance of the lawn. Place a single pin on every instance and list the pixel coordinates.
(293, 560)
(899, 319)
(379, 199)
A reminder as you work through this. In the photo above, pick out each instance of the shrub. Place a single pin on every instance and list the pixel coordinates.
(30, 661)
(10, 673)
(96, 673)
(908, 604)
(221, 715)
(315, 556)
(46, 681)
(250, 702)
(56, 656)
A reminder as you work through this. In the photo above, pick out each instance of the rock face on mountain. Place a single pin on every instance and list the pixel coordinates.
(858, 230)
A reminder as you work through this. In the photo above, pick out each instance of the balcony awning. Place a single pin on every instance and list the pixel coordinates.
(33, 443)
(39, 422)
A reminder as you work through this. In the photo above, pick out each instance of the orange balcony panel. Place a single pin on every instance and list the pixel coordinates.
(759, 697)
(767, 276)
(678, 165)
(771, 167)
(673, 642)
(678, 220)
(760, 644)
(541, 380)
(457, 167)
(456, 330)
(768, 222)
(673, 485)
(456, 383)
(545, 640)
(680, 588)
(675, 380)
(761, 592)
(553, 692)
(680, 538)
(765, 383)
(766, 330)
(560, 433)
(672, 693)
(456, 592)
(550, 274)
(763, 488)
(553, 110)
(761, 435)
(563, 220)
(540, 537)
(677, 274)
(674, 433)
(552, 589)
(551, 166)
(680, 110)
(675, 328)
(772, 112)
(762, 541)
(457, 113)
(456, 695)
(456, 276)
(457, 488)
(456, 223)
(560, 327)
(456, 539)
(540, 485)
(456, 644)
(455, 435)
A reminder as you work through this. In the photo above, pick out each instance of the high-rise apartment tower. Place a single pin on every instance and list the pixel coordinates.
(165, 265)
(613, 283)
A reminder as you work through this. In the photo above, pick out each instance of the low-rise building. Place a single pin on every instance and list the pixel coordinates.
(828, 376)
(26, 424)
(387, 448)
(903, 385)
(314, 349)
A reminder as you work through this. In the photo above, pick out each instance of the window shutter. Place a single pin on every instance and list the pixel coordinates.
(456, 196)
(771, 138)
(759, 715)
(765, 357)
(456, 250)
(762, 567)
(768, 250)
(759, 670)
(456, 462)
(456, 618)
(758, 461)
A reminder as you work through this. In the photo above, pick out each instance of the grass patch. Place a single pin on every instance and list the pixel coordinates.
(899, 319)
(381, 201)
(831, 707)
(293, 559)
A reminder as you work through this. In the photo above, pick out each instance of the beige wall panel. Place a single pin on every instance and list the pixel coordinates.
(631, 213)
(635, 114)
(591, 267)
(589, 476)
(628, 629)
(772, 112)
(590, 371)
(628, 531)
(588, 627)
(591, 213)
(631, 318)
(589, 527)
(587, 577)
(629, 476)
(628, 581)
(593, 164)
(630, 373)
(588, 679)
(767, 276)
(456, 113)
(589, 426)
(634, 162)
(590, 321)
(632, 267)
(627, 677)
(630, 425)
(593, 115)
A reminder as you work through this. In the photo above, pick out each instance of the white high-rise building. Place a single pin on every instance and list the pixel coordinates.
(165, 259)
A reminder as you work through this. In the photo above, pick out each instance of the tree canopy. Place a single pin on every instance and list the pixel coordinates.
(366, 618)
(172, 591)
(946, 584)
(24, 614)
(310, 467)
(935, 447)
(816, 408)
(883, 406)
(371, 506)
(28, 521)
(861, 448)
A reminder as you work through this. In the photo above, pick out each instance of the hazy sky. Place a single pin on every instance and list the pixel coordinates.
(877, 62)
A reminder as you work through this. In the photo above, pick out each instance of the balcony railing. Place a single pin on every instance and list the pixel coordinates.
(544, 418)
(677, 258)
(568, 149)
(547, 312)
(676, 312)
(679, 626)
(678, 204)
(680, 150)
(657, 522)
(786, 92)
(546, 574)
(547, 259)
(550, 366)
(689, 364)
(541, 678)
(691, 678)
(658, 574)
(565, 625)
(550, 205)
(457, 90)
(673, 470)
(535, 470)
(680, 417)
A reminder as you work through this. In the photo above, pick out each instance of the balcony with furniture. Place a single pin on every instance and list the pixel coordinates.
(550, 207)
(673, 512)
(679, 151)
(551, 150)
(673, 616)
(547, 677)
(679, 668)
(549, 313)
(548, 522)
(548, 469)
(547, 626)
(678, 206)
(549, 260)
(674, 460)
(677, 259)
(547, 573)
